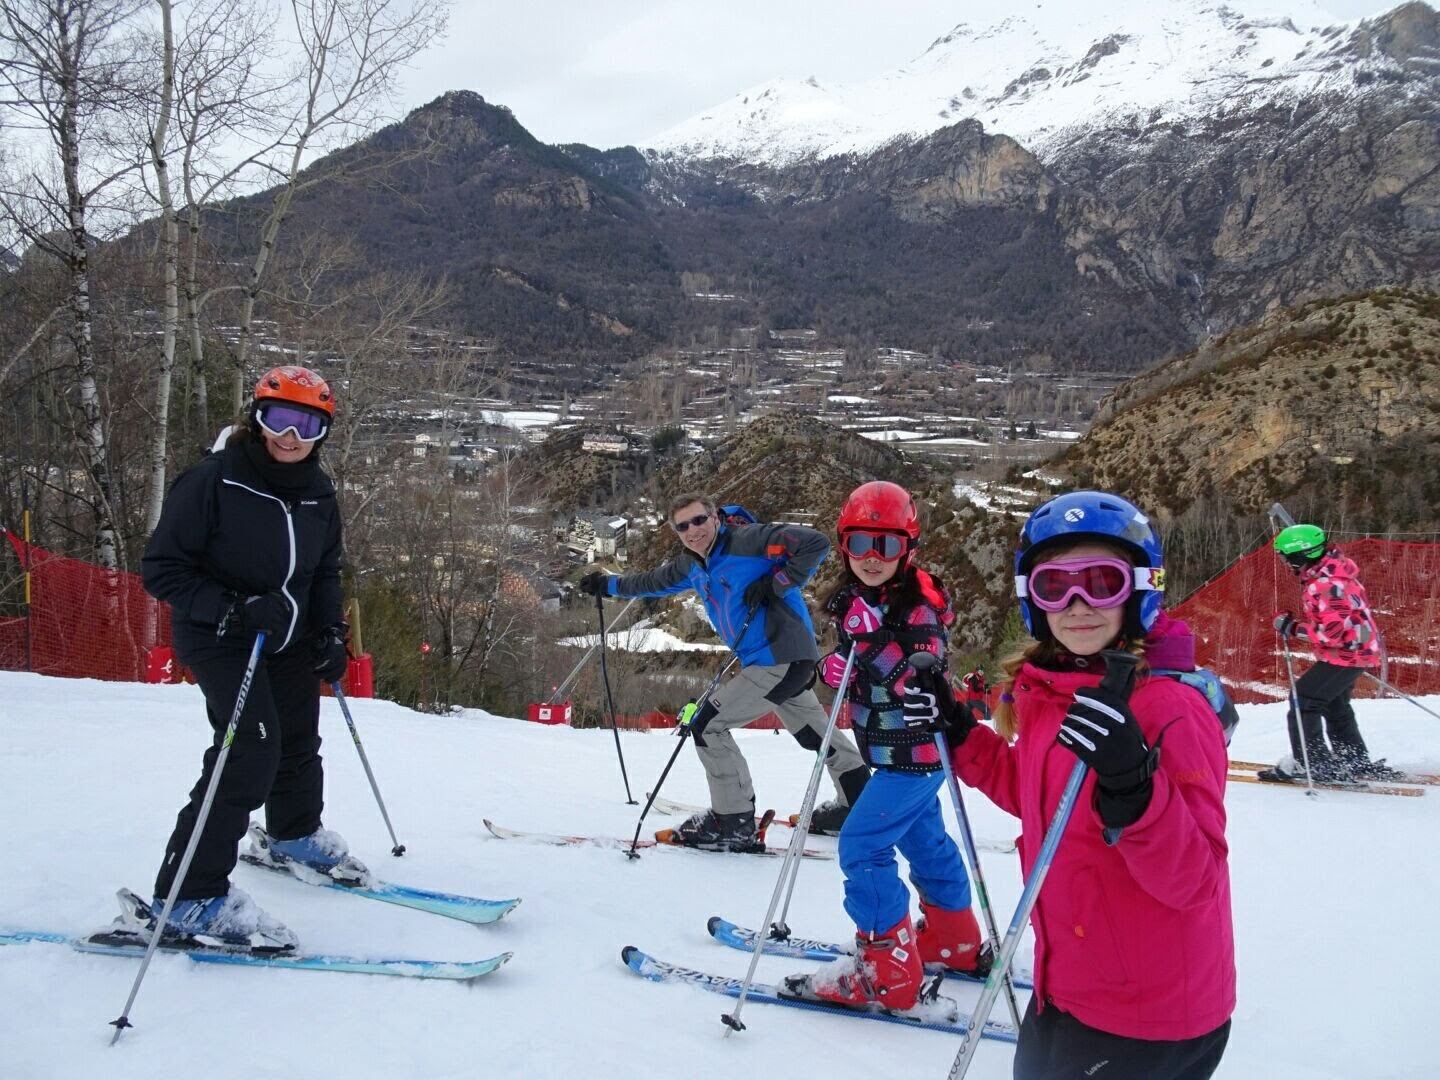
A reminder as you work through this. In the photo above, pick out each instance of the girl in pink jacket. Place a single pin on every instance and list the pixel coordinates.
(1134, 948)
(1339, 625)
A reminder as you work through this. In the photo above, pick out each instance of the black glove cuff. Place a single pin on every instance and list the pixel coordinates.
(1131, 779)
(1117, 809)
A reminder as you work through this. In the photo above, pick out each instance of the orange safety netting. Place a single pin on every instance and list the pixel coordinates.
(1232, 618)
(83, 622)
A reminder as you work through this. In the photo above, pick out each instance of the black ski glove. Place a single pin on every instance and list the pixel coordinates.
(765, 588)
(332, 654)
(595, 583)
(931, 704)
(271, 613)
(1102, 732)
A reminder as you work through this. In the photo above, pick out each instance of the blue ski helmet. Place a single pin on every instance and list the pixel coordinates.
(1094, 515)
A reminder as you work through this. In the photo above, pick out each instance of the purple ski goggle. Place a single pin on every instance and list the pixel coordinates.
(278, 417)
(1100, 581)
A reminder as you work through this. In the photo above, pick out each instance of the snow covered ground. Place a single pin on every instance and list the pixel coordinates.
(1334, 903)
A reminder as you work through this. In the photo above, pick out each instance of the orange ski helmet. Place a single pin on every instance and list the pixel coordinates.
(297, 385)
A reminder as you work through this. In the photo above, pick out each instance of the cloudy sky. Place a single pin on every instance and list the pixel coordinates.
(611, 72)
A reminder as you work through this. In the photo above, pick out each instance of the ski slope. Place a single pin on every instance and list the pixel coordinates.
(1335, 901)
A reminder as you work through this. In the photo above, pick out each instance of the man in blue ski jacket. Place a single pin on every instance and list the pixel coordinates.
(749, 578)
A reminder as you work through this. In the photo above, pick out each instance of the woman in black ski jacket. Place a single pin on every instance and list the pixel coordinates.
(249, 541)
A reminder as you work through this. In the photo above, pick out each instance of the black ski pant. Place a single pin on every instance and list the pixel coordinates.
(1055, 1046)
(1324, 696)
(274, 761)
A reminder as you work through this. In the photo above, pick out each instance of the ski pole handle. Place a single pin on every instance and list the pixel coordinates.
(1120, 667)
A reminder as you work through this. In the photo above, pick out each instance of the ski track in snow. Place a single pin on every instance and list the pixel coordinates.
(1329, 893)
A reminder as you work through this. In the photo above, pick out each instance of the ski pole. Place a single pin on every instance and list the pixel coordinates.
(682, 732)
(1295, 711)
(779, 930)
(925, 665)
(1399, 693)
(123, 1020)
(610, 701)
(1119, 677)
(559, 691)
(397, 849)
(798, 836)
(633, 851)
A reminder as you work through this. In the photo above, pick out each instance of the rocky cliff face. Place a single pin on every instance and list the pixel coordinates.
(1269, 205)
(1337, 400)
(1282, 161)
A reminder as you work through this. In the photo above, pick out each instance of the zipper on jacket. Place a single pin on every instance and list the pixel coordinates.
(289, 570)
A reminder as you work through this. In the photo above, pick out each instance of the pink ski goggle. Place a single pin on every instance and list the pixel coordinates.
(278, 417)
(1101, 582)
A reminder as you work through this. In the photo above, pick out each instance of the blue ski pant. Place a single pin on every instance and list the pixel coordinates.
(899, 810)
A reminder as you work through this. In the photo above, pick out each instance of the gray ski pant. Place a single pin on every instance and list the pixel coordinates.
(742, 700)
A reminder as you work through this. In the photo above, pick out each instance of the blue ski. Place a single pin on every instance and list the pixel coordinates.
(739, 937)
(929, 1016)
(133, 942)
(470, 909)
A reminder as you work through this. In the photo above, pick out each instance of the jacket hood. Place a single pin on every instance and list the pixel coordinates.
(1170, 644)
(1334, 565)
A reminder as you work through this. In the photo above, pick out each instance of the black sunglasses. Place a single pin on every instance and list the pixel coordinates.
(685, 526)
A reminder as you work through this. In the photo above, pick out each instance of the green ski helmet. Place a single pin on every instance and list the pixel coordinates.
(1300, 545)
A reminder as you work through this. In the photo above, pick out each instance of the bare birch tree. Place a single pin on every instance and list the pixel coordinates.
(209, 98)
(63, 70)
(352, 51)
(169, 255)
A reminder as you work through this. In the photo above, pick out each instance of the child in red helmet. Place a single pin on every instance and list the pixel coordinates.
(886, 608)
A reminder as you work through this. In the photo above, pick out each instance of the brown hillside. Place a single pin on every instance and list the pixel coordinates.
(1339, 397)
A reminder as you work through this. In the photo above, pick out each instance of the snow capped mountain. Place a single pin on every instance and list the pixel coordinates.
(1048, 75)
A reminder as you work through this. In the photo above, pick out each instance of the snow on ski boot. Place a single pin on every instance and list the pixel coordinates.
(885, 971)
(720, 832)
(1376, 770)
(232, 919)
(951, 940)
(1324, 769)
(322, 851)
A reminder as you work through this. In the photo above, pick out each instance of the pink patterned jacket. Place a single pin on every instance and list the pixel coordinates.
(1337, 620)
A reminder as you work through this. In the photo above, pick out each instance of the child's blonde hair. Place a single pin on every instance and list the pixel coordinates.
(1041, 654)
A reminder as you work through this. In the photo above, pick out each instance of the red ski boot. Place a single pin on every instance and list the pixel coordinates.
(950, 939)
(886, 972)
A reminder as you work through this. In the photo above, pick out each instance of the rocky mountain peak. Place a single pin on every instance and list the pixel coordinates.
(1409, 35)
